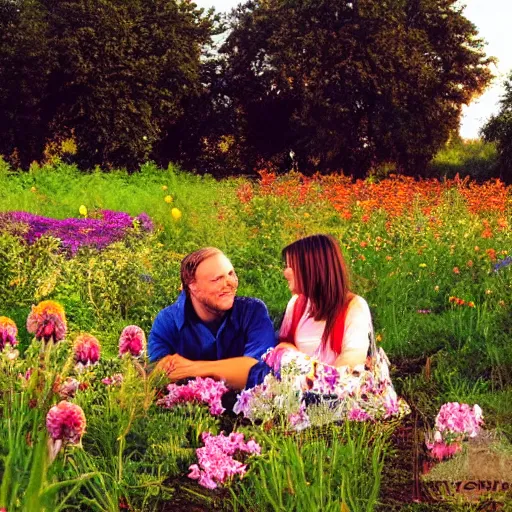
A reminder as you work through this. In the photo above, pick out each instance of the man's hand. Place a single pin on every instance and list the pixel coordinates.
(177, 367)
(181, 368)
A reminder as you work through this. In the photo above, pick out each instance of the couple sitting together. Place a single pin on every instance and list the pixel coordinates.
(209, 332)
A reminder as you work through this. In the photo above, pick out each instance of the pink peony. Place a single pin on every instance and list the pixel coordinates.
(87, 350)
(132, 341)
(66, 421)
(47, 321)
(8, 332)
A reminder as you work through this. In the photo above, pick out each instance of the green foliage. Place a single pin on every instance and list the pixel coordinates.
(474, 158)
(315, 470)
(499, 130)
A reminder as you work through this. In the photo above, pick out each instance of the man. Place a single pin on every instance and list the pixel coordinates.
(208, 332)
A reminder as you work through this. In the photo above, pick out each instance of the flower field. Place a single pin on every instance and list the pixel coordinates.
(88, 259)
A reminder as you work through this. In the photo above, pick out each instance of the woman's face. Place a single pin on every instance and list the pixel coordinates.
(289, 275)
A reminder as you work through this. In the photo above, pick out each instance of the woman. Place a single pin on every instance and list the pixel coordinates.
(323, 319)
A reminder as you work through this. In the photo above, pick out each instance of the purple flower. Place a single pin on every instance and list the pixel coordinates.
(109, 226)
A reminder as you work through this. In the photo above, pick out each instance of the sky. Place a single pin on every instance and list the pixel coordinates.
(492, 19)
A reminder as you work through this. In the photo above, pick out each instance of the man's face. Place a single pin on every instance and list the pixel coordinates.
(214, 286)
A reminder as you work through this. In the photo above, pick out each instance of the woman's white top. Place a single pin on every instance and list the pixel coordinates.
(308, 336)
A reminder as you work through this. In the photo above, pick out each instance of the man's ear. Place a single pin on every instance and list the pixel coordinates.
(192, 286)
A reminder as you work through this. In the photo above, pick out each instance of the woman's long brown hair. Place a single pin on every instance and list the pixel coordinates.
(321, 275)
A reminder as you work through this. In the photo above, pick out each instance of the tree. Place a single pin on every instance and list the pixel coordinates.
(26, 62)
(114, 73)
(125, 69)
(499, 130)
(351, 84)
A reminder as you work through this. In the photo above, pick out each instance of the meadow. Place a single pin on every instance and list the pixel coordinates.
(432, 258)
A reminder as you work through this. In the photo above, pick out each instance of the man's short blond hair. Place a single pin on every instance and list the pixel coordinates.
(190, 263)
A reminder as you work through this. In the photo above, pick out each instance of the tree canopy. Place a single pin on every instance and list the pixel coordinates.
(351, 84)
(319, 84)
(499, 130)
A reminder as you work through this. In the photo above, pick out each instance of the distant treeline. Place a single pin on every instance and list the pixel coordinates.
(318, 85)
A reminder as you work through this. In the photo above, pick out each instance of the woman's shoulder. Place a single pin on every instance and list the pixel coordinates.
(358, 305)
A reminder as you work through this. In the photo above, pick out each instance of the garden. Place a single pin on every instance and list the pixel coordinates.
(88, 259)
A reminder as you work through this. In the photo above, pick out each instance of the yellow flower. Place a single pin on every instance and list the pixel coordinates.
(176, 214)
(33, 189)
(168, 199)
(378, 338)
(423, 265)
(164, 187)
(83, 210)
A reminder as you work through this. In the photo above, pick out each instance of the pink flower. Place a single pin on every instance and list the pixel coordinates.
(114, 380)
(216, 462)
(132, 340)
(357, 414)
(8, 332)
(47, 321)
(456, 419)
(442, 451)
(68, 388)
(87, 350)
(66, 421)
(207, 390)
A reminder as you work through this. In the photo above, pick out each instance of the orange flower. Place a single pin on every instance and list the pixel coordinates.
(471, 304)
(363, 244)
(469, 264)
(491, 253)
(47, 321)
(456, 270)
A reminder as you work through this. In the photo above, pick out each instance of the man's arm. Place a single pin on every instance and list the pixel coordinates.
(233, 371)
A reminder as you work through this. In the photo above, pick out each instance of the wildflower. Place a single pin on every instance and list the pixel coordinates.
(357, 414)
(33, 189)
(477, 248)
(502, 263)
(300, 420)
(363, 244)
(114, 380)
(83, 210)
(8, 332)
(66, 421)
(164, 187)
(488, 292)
(168, 199)
(471, 304)
(47, 321)
(456, 420)
(436, 288)
(176, 214)
(87, 350)
(216, 462)
(205, 390)
(132, 340)
(469, 264)
(378, 338)
(456, 270)
(491, 253)
(389, 258)
(68, 388)
(422, 265)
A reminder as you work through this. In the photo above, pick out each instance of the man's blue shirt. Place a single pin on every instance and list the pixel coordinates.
(246, 330)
